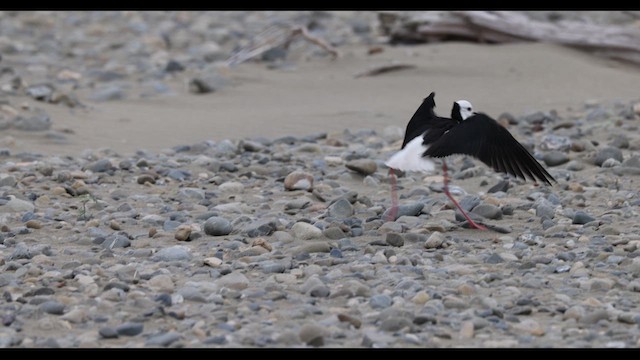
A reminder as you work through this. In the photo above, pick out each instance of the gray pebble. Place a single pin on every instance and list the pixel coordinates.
(469, 202)
(39, 122)
(555, 142)
(164, 339)
(545, 211)
(405, 210)
(191, 294)
(173, 253)
(319, 291)
(581, 217)
(101, 165)
(488, 211)
(234, 280)
(115, 241)
(494, 259)
(555, 158)
(260, 228)
(336, 253)
(341, 209)
(380, 301)
(312, 335)
(503, 186)
(333, 233)
(130, 329)
(395, 324)
(217, 226)
(394, 239)
(608, 153)
(192, 193)
(8, 181)
(52, 307)
(593, 317)
(108, 93)
(575, 165)
(21, 251)
(216, 340)
(633, 161)
(271, 267)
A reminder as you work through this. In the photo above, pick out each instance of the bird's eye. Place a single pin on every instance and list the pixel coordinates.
(469, 109)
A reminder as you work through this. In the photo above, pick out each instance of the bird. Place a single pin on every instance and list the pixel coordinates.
(429, 136)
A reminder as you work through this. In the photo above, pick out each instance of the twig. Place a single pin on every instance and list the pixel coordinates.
(278, 35)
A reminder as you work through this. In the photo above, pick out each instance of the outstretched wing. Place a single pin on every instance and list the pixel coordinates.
(483, 138)
(420, 120)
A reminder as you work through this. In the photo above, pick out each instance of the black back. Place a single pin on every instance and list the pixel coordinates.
(483, 138)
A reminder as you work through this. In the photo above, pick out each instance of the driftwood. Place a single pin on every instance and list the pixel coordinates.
(276, 36)
(620, 42)
(382, 69)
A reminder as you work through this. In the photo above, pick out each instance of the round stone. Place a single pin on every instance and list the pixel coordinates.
(217, 226)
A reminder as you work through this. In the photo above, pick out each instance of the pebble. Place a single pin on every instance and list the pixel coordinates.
(305, 231)
(108, 93)
(315, 247)
(173, 253)
(435, 240)
(362, 166)
(488, 211)
(333, 233)
(405, 210)
(555, 158)
(341, 209)
(580, 217)
(52, 307)
(129, 329)
(608, 153)
(88, 247)
(394, 239)
(530, 326)
(164, 339)
(108, 332)
(298, 180)
(234, 280)
(217, 226)
(161, 283)
(555, 143)
(183, 232)
(312, 335)
(380, 301)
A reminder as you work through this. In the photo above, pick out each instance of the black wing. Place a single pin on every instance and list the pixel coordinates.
(425, 119)
(483, 138)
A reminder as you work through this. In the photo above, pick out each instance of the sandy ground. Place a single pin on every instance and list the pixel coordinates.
(321, 95)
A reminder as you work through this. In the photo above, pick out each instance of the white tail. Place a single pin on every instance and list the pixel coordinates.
(410, 158)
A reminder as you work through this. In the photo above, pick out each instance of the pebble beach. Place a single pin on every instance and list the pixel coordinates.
(244, 235)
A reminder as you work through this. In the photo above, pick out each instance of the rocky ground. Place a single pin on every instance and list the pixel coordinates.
(285, 242)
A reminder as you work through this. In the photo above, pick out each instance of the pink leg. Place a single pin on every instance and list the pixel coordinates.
(394, 197)
(446, 191)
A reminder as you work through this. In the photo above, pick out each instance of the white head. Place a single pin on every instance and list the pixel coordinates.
(465, 107)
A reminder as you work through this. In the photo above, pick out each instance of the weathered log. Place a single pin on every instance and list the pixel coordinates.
(563, 32)
(619, 42)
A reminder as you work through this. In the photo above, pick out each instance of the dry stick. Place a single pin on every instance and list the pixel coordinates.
(302, 30)
(274, 37)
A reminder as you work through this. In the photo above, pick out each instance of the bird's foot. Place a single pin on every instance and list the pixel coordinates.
(473, 225)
